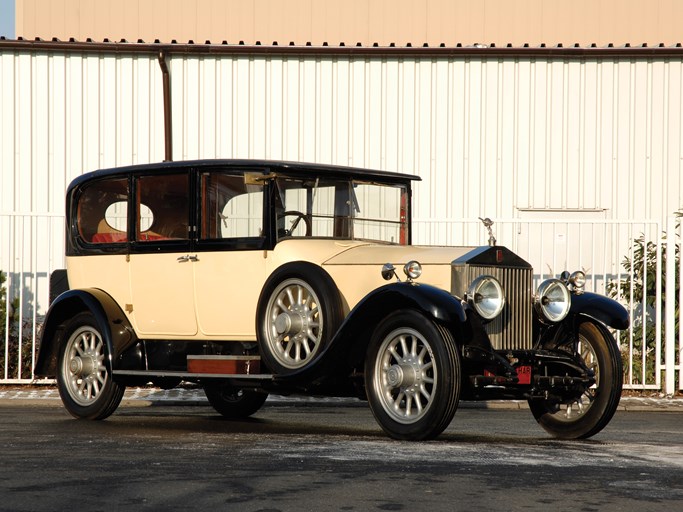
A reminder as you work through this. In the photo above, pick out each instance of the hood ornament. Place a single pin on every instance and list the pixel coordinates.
(487, 224)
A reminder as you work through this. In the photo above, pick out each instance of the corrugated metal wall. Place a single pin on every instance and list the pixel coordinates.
(66, 113)
(509, 138)
(489, 136)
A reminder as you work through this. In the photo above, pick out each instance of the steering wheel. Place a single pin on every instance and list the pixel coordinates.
(299, 217)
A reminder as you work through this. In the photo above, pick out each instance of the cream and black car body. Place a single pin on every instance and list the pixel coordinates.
(256, 277)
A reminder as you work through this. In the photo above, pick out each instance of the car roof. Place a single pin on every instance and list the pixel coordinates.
(293, 168)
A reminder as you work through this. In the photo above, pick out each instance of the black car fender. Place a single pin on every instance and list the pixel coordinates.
(116, 331)
(605, 310)
(348, 346)
(567, 331)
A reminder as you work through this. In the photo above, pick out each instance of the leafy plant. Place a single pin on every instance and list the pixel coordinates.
(9, 357)
(3, 306)
(641, 293)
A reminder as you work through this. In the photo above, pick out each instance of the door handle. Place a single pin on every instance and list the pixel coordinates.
(183, 259)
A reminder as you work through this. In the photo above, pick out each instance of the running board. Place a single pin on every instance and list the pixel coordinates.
(193, 375)
(210, 366)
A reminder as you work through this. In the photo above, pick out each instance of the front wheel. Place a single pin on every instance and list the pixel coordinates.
(84, 381)
(299, 312)
(591, 411)
(233, 403)
(412, 376)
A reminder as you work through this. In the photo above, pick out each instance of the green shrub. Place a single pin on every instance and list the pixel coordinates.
(10, 315)
(641, 295)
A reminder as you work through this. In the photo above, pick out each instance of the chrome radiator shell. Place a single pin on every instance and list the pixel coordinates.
(512, 329)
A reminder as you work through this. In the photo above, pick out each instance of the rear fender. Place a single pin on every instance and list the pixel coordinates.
(112, 323)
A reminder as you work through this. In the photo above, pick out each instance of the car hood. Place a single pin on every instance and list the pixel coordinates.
(355, 265)
(364, 262)
(398, 255)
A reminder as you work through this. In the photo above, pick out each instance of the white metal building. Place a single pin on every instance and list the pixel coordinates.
(574, 152)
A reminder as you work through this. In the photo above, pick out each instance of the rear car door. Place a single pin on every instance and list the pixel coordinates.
(161, 261)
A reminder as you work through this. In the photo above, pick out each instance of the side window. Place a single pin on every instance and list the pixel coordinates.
(312, 207)
(231, 207)
(379, 213)
(103, 211)
(162, 206)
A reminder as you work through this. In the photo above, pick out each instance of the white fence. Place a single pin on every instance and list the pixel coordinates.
(31, 247)
(600, 248)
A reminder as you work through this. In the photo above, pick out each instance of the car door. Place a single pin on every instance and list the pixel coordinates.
(230, 271)
(161, 273)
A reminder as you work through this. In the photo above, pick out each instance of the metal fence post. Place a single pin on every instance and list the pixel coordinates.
(670, 309)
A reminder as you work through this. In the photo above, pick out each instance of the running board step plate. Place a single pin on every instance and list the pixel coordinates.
(224, 365)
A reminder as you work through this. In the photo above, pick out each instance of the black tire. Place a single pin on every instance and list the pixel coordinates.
(233, 403)
(412, 376)
(299, 311)
(166, 382)
(84, 381)
(593, 410)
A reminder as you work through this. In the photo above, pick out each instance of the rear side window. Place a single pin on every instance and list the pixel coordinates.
(102, 212)
(163, 208)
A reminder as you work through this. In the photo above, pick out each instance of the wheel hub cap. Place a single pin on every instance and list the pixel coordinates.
(289, 323)
(80, 366)
(405, 376)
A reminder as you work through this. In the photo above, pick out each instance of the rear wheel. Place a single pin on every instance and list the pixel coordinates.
(588, 413)
(234, 403)
(412, 376)
(83, 378)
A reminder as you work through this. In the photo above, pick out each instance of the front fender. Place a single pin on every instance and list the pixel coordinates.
(433, 302)
(116, 331)
(601, 308)
(347, 348)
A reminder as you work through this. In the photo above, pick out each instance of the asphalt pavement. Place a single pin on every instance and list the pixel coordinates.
(147, 396)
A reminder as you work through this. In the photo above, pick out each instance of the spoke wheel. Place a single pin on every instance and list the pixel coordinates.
(590, 411)
(405, 377)
(294, 323)
(299, 310)
(412, 376)
(85, 384)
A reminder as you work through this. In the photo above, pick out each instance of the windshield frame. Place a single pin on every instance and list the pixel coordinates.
(334, 208)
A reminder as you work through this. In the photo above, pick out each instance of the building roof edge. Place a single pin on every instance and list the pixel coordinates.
(477, 49)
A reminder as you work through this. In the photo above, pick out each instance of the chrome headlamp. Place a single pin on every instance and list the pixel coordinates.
(577, 281)
(412, 269)
(485, 295)
(552, 301)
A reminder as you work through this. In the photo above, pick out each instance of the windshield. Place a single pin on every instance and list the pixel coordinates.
(345, 209)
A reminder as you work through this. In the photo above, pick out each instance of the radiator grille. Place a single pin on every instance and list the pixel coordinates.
(511, 330)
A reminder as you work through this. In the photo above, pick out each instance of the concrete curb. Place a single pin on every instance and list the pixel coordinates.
(147, 397)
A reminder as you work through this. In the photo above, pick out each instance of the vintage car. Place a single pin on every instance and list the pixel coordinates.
(256, 277)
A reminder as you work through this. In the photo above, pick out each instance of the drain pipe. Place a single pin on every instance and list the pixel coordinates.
(168, 120)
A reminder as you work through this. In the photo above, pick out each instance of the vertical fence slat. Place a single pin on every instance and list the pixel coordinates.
(670, 309)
